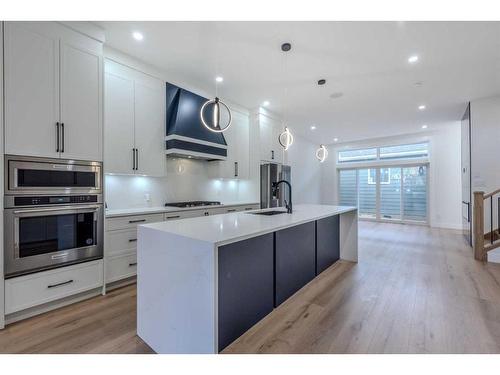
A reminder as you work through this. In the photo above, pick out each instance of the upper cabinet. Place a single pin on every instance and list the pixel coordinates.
(237, 164)
(134, 124)
(53, 92)
(269, 130)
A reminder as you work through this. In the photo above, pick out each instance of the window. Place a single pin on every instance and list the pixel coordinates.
(404, 151)
(357, 155)
(348, 188)
(400, 194)
(398, 152)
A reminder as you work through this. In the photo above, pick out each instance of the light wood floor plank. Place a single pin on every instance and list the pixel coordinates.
(414, 290)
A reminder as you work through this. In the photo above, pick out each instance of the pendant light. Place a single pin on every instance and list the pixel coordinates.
(285, 139)
(217, 106)
(321, 153)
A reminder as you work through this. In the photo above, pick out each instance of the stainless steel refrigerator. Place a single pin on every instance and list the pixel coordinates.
(270, 173)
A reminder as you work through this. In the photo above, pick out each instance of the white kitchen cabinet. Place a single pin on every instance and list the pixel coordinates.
(134, 120)
(150, 127)
(81, 102)
(237, 164)
(42, 287)
(53, 76)
(118, 124)
(31, 77)
(269, 131)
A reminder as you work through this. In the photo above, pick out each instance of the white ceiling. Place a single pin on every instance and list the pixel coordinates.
(366, 61)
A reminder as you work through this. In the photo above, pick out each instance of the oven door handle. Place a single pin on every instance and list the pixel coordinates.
(52, 209)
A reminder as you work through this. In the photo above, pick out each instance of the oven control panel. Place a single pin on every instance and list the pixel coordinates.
(51, 200)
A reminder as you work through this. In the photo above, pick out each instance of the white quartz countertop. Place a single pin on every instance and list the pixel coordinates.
(163, 209)
(231, 227)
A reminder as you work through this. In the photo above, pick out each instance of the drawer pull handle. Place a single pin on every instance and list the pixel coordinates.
(60, 284)
(231, 210)
(137, 221)
(173, 217)
(248, 208)
(132, 240)
(132, 264)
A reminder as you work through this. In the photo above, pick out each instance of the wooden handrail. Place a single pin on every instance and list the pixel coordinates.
(486, 196)
(480, 248)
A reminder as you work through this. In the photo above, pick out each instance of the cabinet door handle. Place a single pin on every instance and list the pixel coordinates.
(59, 284)
(235, 169)
(248, 208)
(57, 136)
(173, 217)
(231, 210)
(132, 240)
(133, 159)
(137, 221)
(272, 154)
(136, 159)
(62, 137)
(132, 264)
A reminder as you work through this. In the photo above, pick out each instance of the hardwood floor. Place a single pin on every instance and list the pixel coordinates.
(414, 290)
(104, 324)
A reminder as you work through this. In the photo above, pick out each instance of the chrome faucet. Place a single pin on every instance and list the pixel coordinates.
(275, 186)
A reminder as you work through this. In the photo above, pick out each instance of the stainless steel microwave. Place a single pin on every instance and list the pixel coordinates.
(30, 175)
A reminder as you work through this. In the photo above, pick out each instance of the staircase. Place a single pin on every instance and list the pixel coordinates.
(486, 206)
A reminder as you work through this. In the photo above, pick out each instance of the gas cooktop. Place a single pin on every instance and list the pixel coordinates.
(193, 204)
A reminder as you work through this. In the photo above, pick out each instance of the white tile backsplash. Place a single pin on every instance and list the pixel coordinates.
(187, 179)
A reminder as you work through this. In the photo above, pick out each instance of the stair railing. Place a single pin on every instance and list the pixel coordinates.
(489, 241)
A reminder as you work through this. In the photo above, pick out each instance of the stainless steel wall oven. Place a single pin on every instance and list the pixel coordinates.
(53, 213)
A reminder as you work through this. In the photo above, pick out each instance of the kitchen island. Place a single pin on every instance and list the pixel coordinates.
(202, 282)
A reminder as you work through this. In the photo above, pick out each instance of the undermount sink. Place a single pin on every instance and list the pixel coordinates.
(268, 213)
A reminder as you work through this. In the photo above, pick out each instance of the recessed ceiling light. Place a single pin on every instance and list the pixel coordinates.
(219, 79)
(421, 107)
(137, 35)
(424, 126)
(335, 139)
(313, 127)
(266, 103)
(413, 59)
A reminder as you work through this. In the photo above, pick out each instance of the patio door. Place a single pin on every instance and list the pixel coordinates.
(396, 193)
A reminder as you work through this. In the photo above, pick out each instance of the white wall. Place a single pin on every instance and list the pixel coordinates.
(485, 154)
(444, 172)
(306, 171)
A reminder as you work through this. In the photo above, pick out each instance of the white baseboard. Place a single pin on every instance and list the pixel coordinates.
(447, 226)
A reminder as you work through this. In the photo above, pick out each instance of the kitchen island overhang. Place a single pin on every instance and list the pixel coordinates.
(204, 281)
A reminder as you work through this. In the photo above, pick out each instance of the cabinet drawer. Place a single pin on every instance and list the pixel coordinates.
(120, 241)
(31, 290)
(121, 266)
(128, 222)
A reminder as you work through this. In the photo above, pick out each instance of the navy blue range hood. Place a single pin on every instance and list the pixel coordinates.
(186, 134)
